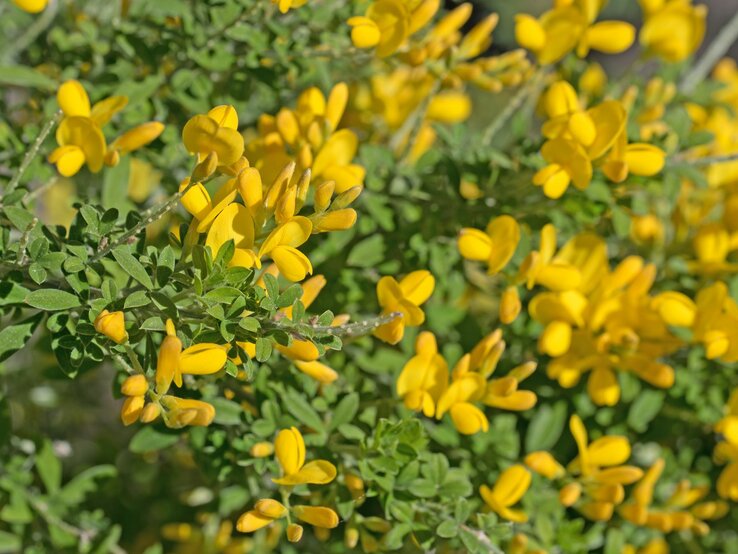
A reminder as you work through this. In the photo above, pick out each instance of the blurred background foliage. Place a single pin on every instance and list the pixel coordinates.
(72, 478)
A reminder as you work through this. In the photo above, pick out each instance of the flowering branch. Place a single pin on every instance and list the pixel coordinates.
(31, 154)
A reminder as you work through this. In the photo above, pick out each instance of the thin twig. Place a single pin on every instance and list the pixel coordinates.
(717, 49)
(682, 159)
(31, 153)
(150, 216)
(356, 329)
(512, 106)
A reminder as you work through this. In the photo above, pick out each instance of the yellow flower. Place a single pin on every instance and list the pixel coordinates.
(265, 512)
(388, 23)
(571, 26)
(318, 516)
(80, 137)
(290, 451)
(404, 297)
(294, 532)
(31, 6)
(510, 487)
(187, 411)
(262, 449)
(509, 305)
(215, 132)
(285, 6)
(544, 464)
(199, 359)
(112, 325)
(672, 29)
(496, 246)
(424, 377)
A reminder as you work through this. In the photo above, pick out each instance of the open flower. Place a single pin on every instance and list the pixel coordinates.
(424, 377)
(199, 359)
(80, 136)
(404, 297)
(214, 133)
(672, 29)
(289, 447)
(510, 487)
(495, 246)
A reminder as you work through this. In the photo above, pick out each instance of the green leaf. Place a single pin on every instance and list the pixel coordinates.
(367, 253)
(149, 439)
(9, 543)
(263, 349)
(137, 299)
(644, 409)
(227, 412)
(345, 410)
(21, 76)
(448, 529)
(546, 427)
(14, 337)
(132, 266)
(49, 467)
(52, 300)
(12, 293)
(75, 491)
(301, 409)
(288, 297)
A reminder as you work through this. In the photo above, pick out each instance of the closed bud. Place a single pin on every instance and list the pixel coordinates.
(131, 409)
(354, 483)
(135, 385)
(303, 186)
(323, 194)
(319, 516)
(337, 220)
(294, 532)
(112, 325)
(150, 412)
(347, 197)
(509, 305)
(262, 449)
(270, 508)
(569, 494)
(544, 464)
(196, 200)
(206, 167)
(112, 158)
(351, 538)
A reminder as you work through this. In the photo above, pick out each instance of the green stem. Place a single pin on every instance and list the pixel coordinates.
(31, 153)
(717, 49)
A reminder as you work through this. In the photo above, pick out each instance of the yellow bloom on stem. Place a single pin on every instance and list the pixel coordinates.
(495, 246)
(112, 325)
(199, 359)
(265, 512)
(510, 487)
(545, 267)
(31, 6)
(543, 463)
(404, 297)
(510, 305)
(672, 29)
(286, 5)
(289, 448)
(187, 411)
(215, 132)
(317, 516)
(424, 377)
(570, 26)
(80, 137)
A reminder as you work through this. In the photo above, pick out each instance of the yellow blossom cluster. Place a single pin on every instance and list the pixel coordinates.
(578, 138)
(172, 363)
(289, 448)
(265, 223)
(80, 136)
(424, 383)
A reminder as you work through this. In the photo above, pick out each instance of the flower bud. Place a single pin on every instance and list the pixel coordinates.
(544, 464)
(338, 220)
(150, 412)
(319, 516)
(206, 167)
(131, 409)
(509, 305)
(196, 200)
(294, 532)
(270, 508)
(135, 385)
(569, 494)
(112, 158)
(347, 197)
(262, 449)
(351, 538)
(323, 194)
(112, 325)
